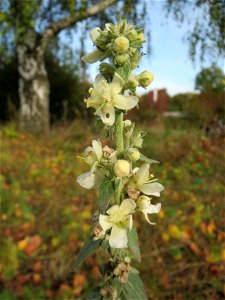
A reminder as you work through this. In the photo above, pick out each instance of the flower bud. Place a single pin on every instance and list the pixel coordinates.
(141, 37)
(132, 82)
(145, 78)
(134, 154)
(122, 168)
(127, 123)
(120, 59)
(133, 33)
(94, 34)
(108, 26)
(127, 259)
(138, 140)
(121, 44)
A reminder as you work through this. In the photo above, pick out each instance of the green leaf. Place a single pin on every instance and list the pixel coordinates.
(124, 70)
(133, 288)
(148, 160)
(117, 285)
(89, 248)
(106, 192)
(133, 243)
(105, 246)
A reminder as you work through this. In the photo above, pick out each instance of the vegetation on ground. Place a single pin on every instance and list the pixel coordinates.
(45, 215)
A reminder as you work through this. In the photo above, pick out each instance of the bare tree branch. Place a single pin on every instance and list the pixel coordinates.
(55, 27)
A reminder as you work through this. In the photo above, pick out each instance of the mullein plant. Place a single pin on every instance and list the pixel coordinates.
(120, 171)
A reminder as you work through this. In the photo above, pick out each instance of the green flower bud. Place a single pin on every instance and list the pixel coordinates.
(145, 78)
(133, 34)
(121, 44)
(141, 37)
(122, 168)
(138, 140)
(127, 123)
(134, 154)
(132, 82)
(135, 59)
(127, 259)
(120, 59)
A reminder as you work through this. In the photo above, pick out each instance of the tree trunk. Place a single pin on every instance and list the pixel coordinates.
(33, 87)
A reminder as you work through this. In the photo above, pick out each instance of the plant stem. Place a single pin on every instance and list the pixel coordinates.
(119, 133)
(120, 149)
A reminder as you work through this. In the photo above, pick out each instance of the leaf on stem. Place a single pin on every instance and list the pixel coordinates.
(133, 288)
(93, 294)
(148, 160)
(106, 192)
(89, 247)
(133, 243)
(124, 70)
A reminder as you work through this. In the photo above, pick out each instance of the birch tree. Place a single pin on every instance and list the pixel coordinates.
(34, 23)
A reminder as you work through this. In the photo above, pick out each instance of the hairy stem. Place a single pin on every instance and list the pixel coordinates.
(119, 133)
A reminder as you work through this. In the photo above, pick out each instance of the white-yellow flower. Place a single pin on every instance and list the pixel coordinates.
(105, 97)
(144, 184)
(122, 168)
(93, 154)
(119, 218)
(91, 179)
(144, 205)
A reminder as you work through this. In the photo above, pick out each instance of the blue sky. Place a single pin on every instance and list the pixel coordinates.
(169, 60)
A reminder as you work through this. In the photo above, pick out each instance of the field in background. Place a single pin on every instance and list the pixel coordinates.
(46, 217)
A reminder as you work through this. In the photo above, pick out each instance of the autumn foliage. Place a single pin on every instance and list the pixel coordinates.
(45, 216)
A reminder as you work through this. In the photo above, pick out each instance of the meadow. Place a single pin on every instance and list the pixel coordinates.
(46, 216)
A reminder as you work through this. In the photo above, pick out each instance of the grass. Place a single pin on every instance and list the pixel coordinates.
(46, 217)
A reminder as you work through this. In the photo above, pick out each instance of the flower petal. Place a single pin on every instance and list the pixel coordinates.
(113, 209)
(94, 102)
(107, 114)
(127, 222)
(124, 102)
(93, 56)
(143, 202)
(118, 237)
(99, 176)
(117, 84)
(100, 84)
(104, 222)
(127, 206)
(154, 208)
(146, 217)
(130, 222)
(94, 34)
(142, 174)
(153, 188)
(97, 146)
(86, 180)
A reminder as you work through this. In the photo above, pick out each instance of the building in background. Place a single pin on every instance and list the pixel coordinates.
(156, 100)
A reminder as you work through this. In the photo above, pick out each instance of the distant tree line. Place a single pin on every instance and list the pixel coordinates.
(208, 105)
(28, 27)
